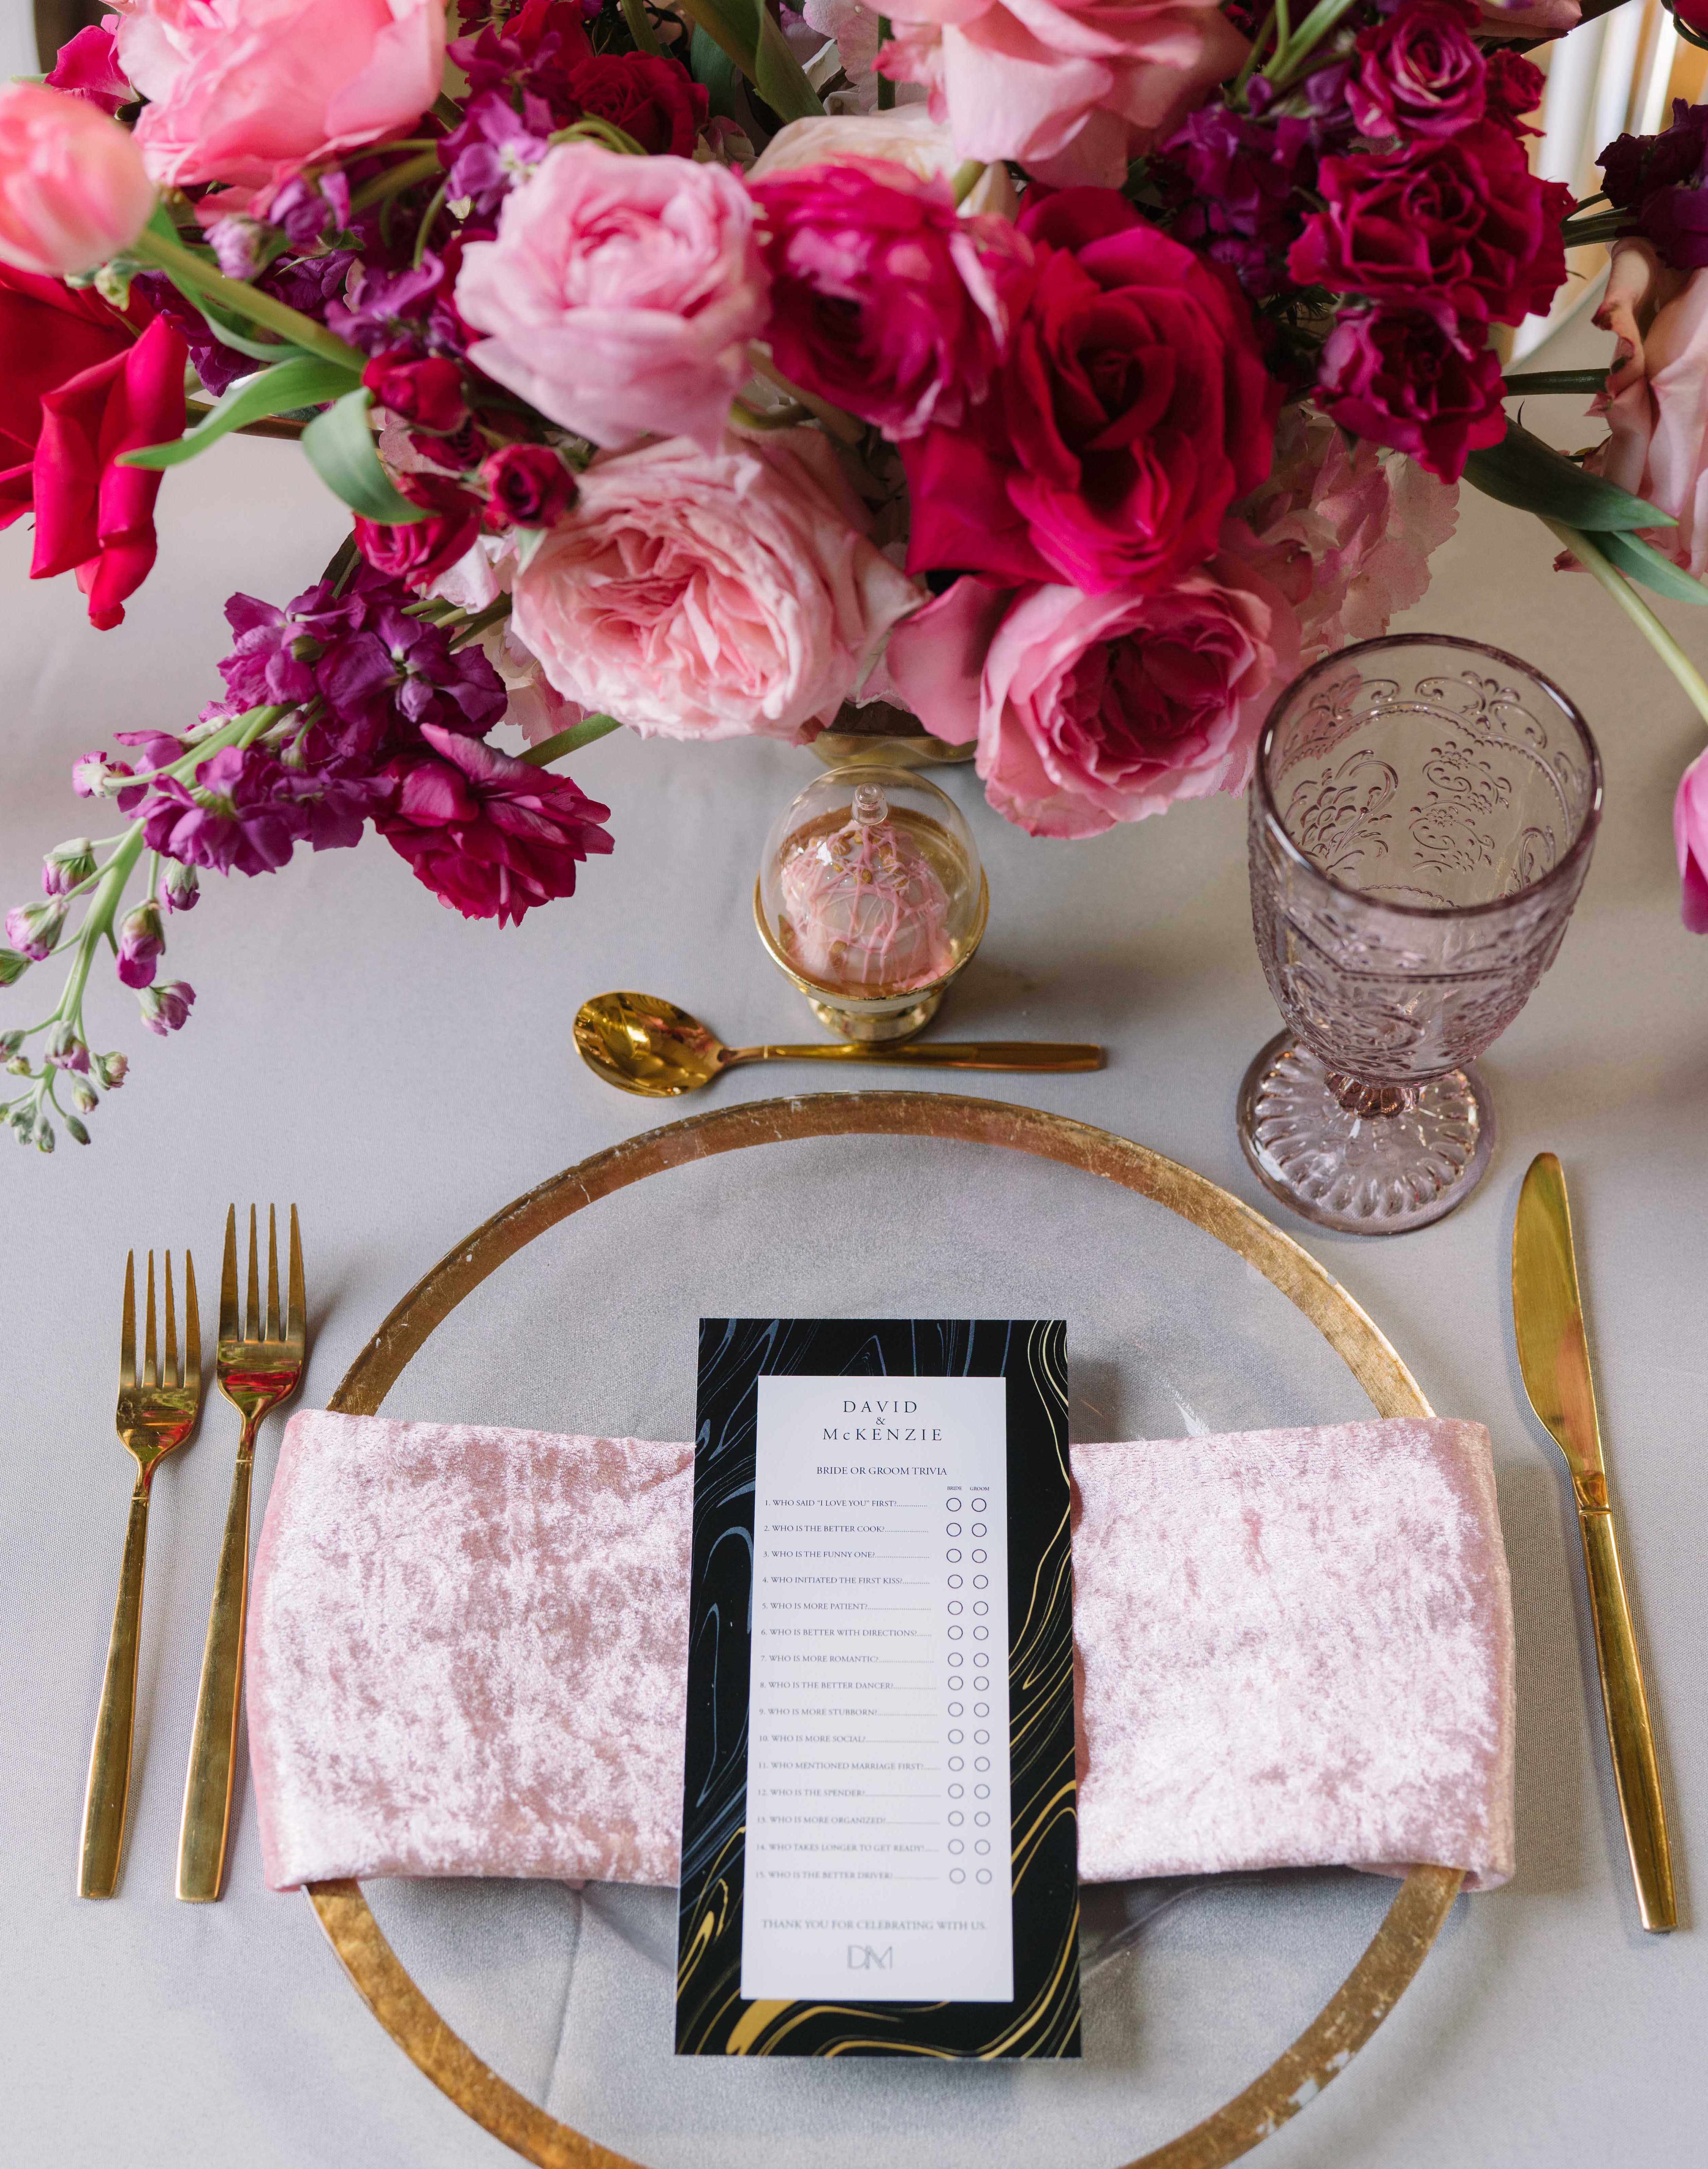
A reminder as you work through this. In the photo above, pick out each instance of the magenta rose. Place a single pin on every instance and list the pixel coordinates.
(1095, 709)
(426, 392)
(527, 486)
(1420, 72)
(1132, 409)
(1421, 380)
(417, 551)
(885, 300)
(490, 835)
(1463, 225)
(620, 294)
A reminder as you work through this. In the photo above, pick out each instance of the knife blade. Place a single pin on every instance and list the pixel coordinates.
(1554, 1358)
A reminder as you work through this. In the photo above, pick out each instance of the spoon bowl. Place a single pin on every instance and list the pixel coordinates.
(643, 1044)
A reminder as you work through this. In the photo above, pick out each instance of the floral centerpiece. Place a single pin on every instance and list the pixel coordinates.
(1060, 371)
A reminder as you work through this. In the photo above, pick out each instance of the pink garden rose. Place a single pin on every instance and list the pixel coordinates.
(72, 189)
(712, 595)
(1691, 835)
(620, 294)
(1095, 709)
(249, 90)
(1345, 531)
(1657, 398)
(1071, 90)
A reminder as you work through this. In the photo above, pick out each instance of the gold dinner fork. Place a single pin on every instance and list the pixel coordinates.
(259, 1365)
(156, 1413)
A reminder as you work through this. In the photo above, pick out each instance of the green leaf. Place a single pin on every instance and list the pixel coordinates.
(1639, 560)
(305, 380)
(340, 447)
(711, 65)
(1521, 470)
(778, 77)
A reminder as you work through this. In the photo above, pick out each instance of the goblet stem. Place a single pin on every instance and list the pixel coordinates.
(1361, 1099)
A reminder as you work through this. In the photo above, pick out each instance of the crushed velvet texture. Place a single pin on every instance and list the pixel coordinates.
(467, 1646)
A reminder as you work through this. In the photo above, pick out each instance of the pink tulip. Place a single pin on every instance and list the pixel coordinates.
(72, 188)
(1691, 835)
(247, 91)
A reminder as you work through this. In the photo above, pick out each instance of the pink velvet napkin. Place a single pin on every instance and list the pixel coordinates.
(467, 1650)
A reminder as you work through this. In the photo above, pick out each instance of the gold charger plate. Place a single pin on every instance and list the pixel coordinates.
(1424, 1897)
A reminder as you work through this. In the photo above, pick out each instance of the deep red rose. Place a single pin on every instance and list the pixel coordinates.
(1462, 224)
(528, 486)
(417, 551)
(648, 95)
(49, 334)
(427, 393)
(87, 67)
(1511, 87)
(1421, 380)
(94, 517)
(1132, 409)
(491, 836)
(1420, 72)
(885, 300)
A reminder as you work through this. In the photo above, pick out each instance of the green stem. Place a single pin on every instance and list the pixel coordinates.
(966, 178)
(592, 130)
(193, 275)
(1605, 225)
(1557, 379)
(1291, 54)
(1638, 610)
(393, 182)
(640, 29)
(571, 741)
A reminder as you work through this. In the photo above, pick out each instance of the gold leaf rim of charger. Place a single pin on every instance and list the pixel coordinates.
(1420, 1906)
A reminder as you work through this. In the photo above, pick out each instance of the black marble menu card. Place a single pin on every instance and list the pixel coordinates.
(879, 1835)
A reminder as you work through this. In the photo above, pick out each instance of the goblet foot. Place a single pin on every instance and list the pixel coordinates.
(1366, 1160)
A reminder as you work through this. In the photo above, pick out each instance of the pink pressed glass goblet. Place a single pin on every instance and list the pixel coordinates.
(1422, 816)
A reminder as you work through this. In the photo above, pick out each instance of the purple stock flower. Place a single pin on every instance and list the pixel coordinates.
(141, 942)
(492, 150)
(1240, 181)
(167, 1008)
(1634, 165)
(249, 812)
(32, 929)
(307, 211)
(382, 310)
(179, 889)
(66, 1051)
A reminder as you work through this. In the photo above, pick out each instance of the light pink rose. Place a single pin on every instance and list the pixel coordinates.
(1071, 90)
(1657, 398)
(249, 90)
(620, 295)
(1095, 709)
(1690, 836)
(700, 594)
(72, 189)
(1345, 531)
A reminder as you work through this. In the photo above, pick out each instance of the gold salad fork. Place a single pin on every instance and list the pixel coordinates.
(259, 1365)
(156, 1413)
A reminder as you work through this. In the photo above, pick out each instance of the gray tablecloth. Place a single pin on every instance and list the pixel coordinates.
(401, 1073)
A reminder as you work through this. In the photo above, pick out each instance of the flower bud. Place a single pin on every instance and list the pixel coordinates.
(110, 1068)
(166, 1008)
(12, 966)
(44, 1136)
(10, 1041)
(66, 1051)
(73, 189)
(18, 1065)
(22, 1120)
(66, 865)
(141, 940)
(77, 1129)
(179, 886)
(33, 928)
(84, 1096)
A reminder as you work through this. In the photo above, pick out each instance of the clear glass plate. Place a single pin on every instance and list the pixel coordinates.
(1190, 1987)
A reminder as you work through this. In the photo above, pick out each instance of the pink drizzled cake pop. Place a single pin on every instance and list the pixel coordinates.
(864, 906)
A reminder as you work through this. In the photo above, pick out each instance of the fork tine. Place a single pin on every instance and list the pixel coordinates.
(150, 1360)
(251, 1307)
(192, 1329)
(127, 1329)
(169, 1376)
(296, 1327)
(275, 1330)
(229, 1323)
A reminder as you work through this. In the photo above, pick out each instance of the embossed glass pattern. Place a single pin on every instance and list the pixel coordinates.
(1422, 816)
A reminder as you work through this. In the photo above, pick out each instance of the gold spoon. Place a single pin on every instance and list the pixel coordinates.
(640, 1044)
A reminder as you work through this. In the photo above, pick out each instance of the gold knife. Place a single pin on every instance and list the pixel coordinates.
(1554, 1357)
